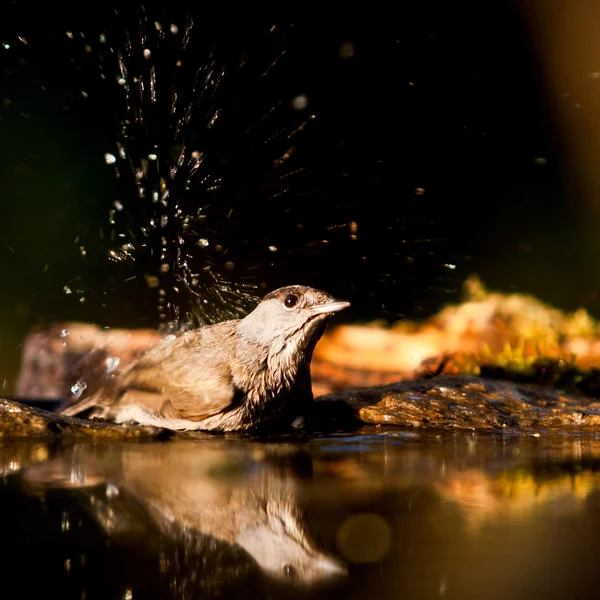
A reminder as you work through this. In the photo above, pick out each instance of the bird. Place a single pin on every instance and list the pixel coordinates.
(237, 375)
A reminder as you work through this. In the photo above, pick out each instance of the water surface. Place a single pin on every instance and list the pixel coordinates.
(374, 514)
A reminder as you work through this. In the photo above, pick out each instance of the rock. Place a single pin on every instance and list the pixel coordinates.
(18, 420)
(471, 403)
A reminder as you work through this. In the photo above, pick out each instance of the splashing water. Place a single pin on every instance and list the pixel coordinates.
(78, 388)
(193, 147)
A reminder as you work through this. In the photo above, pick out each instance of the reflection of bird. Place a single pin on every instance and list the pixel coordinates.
(201, 498)
(188, 491)
(275, 536)
(232, 375)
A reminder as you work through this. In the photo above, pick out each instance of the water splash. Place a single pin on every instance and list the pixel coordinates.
(193, 147)
(78, 388)
(112, 362)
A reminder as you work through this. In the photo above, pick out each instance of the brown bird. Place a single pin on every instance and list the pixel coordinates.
(234, 375)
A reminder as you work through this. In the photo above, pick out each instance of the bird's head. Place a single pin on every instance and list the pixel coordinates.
(290, 320)
(279, 542)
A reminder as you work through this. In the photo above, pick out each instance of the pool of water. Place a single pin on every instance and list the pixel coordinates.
(373, 514)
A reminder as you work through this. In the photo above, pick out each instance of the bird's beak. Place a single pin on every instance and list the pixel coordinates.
(330, 307)
(331, 566)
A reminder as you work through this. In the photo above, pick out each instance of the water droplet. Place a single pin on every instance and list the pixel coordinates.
(450, 266)
(202, 242)
(147, 53)
(152, 156)
(272, 248)
(229, 265)
(213, 119)
(112, 362)
(78, 388)
(64, 333)
(102, 38)
(121, 81)
(174, 29)
(110, 159)
(300, 102)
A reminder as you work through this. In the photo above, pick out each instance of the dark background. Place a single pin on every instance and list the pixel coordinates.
(439, 138)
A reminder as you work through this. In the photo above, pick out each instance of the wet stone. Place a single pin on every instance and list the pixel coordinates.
(18, 420)
(471, 403)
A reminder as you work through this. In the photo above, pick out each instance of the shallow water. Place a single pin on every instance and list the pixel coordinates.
(374, 514)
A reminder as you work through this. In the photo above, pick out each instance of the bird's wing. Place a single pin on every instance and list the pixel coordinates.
(173, 380)
(180, 391)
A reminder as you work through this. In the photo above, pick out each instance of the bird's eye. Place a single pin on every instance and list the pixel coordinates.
(290, 572)
(291, 300)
